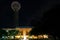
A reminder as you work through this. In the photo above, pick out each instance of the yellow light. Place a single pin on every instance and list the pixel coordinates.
(45, 36)
(30, 37)
(17, 37)
(35, 37)
(40, 36)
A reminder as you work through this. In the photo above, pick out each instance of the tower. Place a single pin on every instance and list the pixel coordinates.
(16, 7)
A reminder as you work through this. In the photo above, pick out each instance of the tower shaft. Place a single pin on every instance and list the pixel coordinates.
(16, 19)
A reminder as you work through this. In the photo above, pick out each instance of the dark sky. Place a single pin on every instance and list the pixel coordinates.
(30, 10)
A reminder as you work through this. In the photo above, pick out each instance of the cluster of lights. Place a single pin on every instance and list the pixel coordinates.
(24, 36)
(42, 36)
(8, 37)
(28, 37)
(32, 37)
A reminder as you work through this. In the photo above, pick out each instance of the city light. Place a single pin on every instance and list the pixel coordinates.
(17, 37)
(45, 36)
(40, 36)
(24, 37)
(23, 34)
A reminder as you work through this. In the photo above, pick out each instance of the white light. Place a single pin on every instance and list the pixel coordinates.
(24, 37)
(2, 36)
(7, 30)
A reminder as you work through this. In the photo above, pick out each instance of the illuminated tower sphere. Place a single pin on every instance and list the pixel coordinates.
(16, 7)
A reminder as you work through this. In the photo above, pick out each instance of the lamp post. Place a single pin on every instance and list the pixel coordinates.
(16, 7)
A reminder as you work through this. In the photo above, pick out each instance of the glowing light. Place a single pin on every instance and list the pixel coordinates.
(35, 37)
(12, 37)
(2, 36)
(45, 36)
(24, 37)
(40, 36)
(17, 37)
(30, 37)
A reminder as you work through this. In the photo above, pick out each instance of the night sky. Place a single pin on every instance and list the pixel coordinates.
(32, 13)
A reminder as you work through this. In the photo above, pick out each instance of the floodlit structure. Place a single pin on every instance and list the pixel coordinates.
(24, 32)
